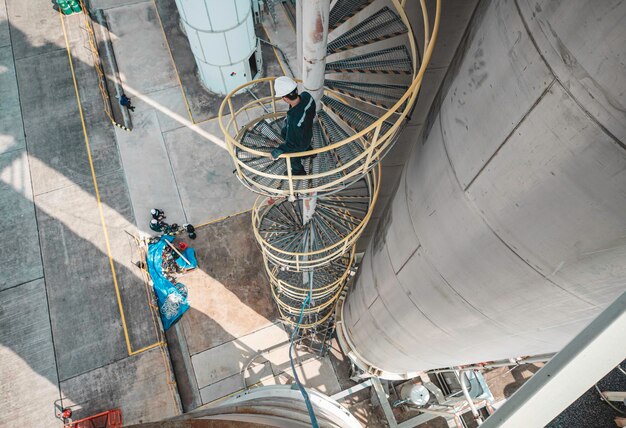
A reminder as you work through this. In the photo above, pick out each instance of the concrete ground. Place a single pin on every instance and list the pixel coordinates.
(169, 161)
(233, 320)
(75, 319)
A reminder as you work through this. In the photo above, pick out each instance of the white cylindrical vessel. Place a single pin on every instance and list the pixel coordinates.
(507, 234)
(223, 42)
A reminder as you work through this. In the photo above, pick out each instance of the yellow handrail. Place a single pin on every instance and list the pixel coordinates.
(375, 147)
(292, 290)
(317, 258)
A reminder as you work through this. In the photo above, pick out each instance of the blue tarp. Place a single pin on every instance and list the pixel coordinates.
(172, 304)
(190, 255)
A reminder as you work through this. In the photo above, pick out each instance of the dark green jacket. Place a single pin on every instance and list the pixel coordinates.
(298, 126)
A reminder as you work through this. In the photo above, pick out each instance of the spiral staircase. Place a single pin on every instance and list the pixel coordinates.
(307, 226)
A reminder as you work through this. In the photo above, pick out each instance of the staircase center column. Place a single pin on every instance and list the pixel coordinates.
(314, 40)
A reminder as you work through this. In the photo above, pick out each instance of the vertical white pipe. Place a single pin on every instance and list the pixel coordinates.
(463, 378)
(299, 37)
(314, 40)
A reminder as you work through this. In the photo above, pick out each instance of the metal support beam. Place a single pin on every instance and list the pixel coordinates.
(384, 402)
(584, 361)
(353, 390)
(314, 40)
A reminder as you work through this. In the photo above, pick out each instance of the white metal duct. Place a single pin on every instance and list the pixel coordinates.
(507, 234)
(222, 39)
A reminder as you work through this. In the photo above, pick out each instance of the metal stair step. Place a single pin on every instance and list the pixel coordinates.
(382, 25)
(344, 10)
(335, 217)
(378, 94)
(395, 60)
(354, 118)
(335, 133)
(258, 142)
(268, 130)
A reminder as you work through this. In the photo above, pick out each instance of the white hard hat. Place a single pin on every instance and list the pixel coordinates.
(284, 86)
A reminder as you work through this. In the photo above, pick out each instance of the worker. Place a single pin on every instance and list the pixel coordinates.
(297, 128)
(125, 101)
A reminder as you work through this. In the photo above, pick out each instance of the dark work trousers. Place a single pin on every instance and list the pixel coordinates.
(296, 163)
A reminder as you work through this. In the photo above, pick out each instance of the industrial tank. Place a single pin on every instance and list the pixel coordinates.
(507, 233)
(222, 39)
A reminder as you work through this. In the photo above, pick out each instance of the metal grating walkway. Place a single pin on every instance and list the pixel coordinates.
(394, 60)
(353, 117)
(336, 216)
(378, 94)
(382, 25)
(344, 10)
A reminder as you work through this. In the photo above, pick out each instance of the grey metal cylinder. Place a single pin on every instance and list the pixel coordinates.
(507, 234)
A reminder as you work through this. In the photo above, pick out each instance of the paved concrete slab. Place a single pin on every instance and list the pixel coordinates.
(222, 367)
(204, 173)
(229, 293)
(11, 129)
(84, 313)
(230, 358)
(28, 379)
(148, 172)
(259, 373)
(316, 373)
(83, 305)
(109, 4)
(139, 386)
(35, 27)
(52, 122)
(103, 147)
(142, 57)
(20, 253)
(170, 107)
(80, 281)
(5, 36)
(282, 34)
(135, 294)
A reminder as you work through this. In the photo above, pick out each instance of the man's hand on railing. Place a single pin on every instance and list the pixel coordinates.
(275, 153)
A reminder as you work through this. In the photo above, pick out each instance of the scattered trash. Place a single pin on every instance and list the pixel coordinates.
(165, 263)
(171, 295)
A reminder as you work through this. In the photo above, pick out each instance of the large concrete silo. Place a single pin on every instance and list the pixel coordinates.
(507, 233)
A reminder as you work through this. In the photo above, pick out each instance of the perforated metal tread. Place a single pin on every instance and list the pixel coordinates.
(335, 133)
(325, 279)
(382, 25)
(336, 216)
(395, 60)
(264, 137)
(378, 94)
(344, 10)
(353, 117)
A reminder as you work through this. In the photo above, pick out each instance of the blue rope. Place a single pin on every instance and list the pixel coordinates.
(309, 407)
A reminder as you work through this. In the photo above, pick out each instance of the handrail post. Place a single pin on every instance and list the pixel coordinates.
(373, 145)
(273, 94)
(289, 175)
(233, 116)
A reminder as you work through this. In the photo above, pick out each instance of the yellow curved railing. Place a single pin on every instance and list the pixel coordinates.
(301, 292)
(287, 311)
(374, 147)
(313, 259)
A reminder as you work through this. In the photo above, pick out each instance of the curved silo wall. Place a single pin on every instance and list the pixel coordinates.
(507, 233)
(222, 38)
